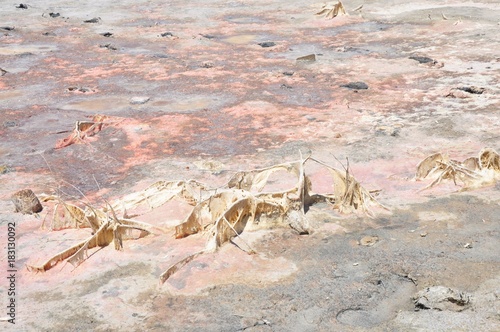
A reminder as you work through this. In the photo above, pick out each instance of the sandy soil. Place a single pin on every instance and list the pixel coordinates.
(193, 92)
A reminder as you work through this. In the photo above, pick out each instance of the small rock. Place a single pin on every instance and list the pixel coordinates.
(423, 59)
(139, 100)
(355, 86)
(167, 34)
(207, 65)
(368, 241)
(310, 58)
(93, 20)
(288, 73)
(4, 169)
(468, 246)
(2, 72)
(298, 221)
(424, 234)
(106, 34)
(26, 202)
(7, 28)
(108, 46)
(54, 15)
(472, 89)
(9, 124)
(267, 44)
(207, 36)
(441, 298)
(22, 6)
(286, 87)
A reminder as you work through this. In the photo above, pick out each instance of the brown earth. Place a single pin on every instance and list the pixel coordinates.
(190, 94)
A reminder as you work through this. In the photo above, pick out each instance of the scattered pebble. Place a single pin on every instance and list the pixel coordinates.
(208, 36)
(310, 58)
(368, 241)
(93, 20)
(355, 86)
(468, 245)
(472, 89)
(7, 28)
(108, 46)
(267, 44)
(54, 15)
(139, 100)
(26, 202)
(424, 234)
(106, 34)
(167, 34)
(423, 59)
(2, 72)
(22, 6)
(288, 73)
(441, 298)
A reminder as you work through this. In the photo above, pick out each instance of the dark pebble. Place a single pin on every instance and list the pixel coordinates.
(106, 34)
(422, 59)
(288, 73)
(108, 46)
(54, 15)
(267, 44)
(472, 89)
(9, 124)
(93, 20)
(167, 34)
(355, 85)
(208, 36)
(22, 6)
(7, 28)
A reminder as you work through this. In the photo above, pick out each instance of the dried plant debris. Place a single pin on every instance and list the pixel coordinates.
(83, 130)
(26, 202)
(332, 10)
(222, 213)
(473, 172)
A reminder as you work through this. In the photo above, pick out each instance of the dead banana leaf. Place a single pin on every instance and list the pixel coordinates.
(428, 165)
(160, 193)
(110, 230)
(348, 194)
(257, 179)
(489, 158)
(83, 130)
(177, 266)
(332, 10)
(208, 211)
(472, 172)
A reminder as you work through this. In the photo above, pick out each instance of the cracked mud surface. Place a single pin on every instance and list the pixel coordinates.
(194, 95)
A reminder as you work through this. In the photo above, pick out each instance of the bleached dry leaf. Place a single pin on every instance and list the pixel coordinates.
(178, 265)
(257, 179)
(160, 193)
(332, 10)
(225, 212)
(110, 230)
(428, 165)
(208, 211)
(471, 173)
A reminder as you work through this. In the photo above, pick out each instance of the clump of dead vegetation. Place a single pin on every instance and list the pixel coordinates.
(472, 173)
(331, 10)
(221, 213)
